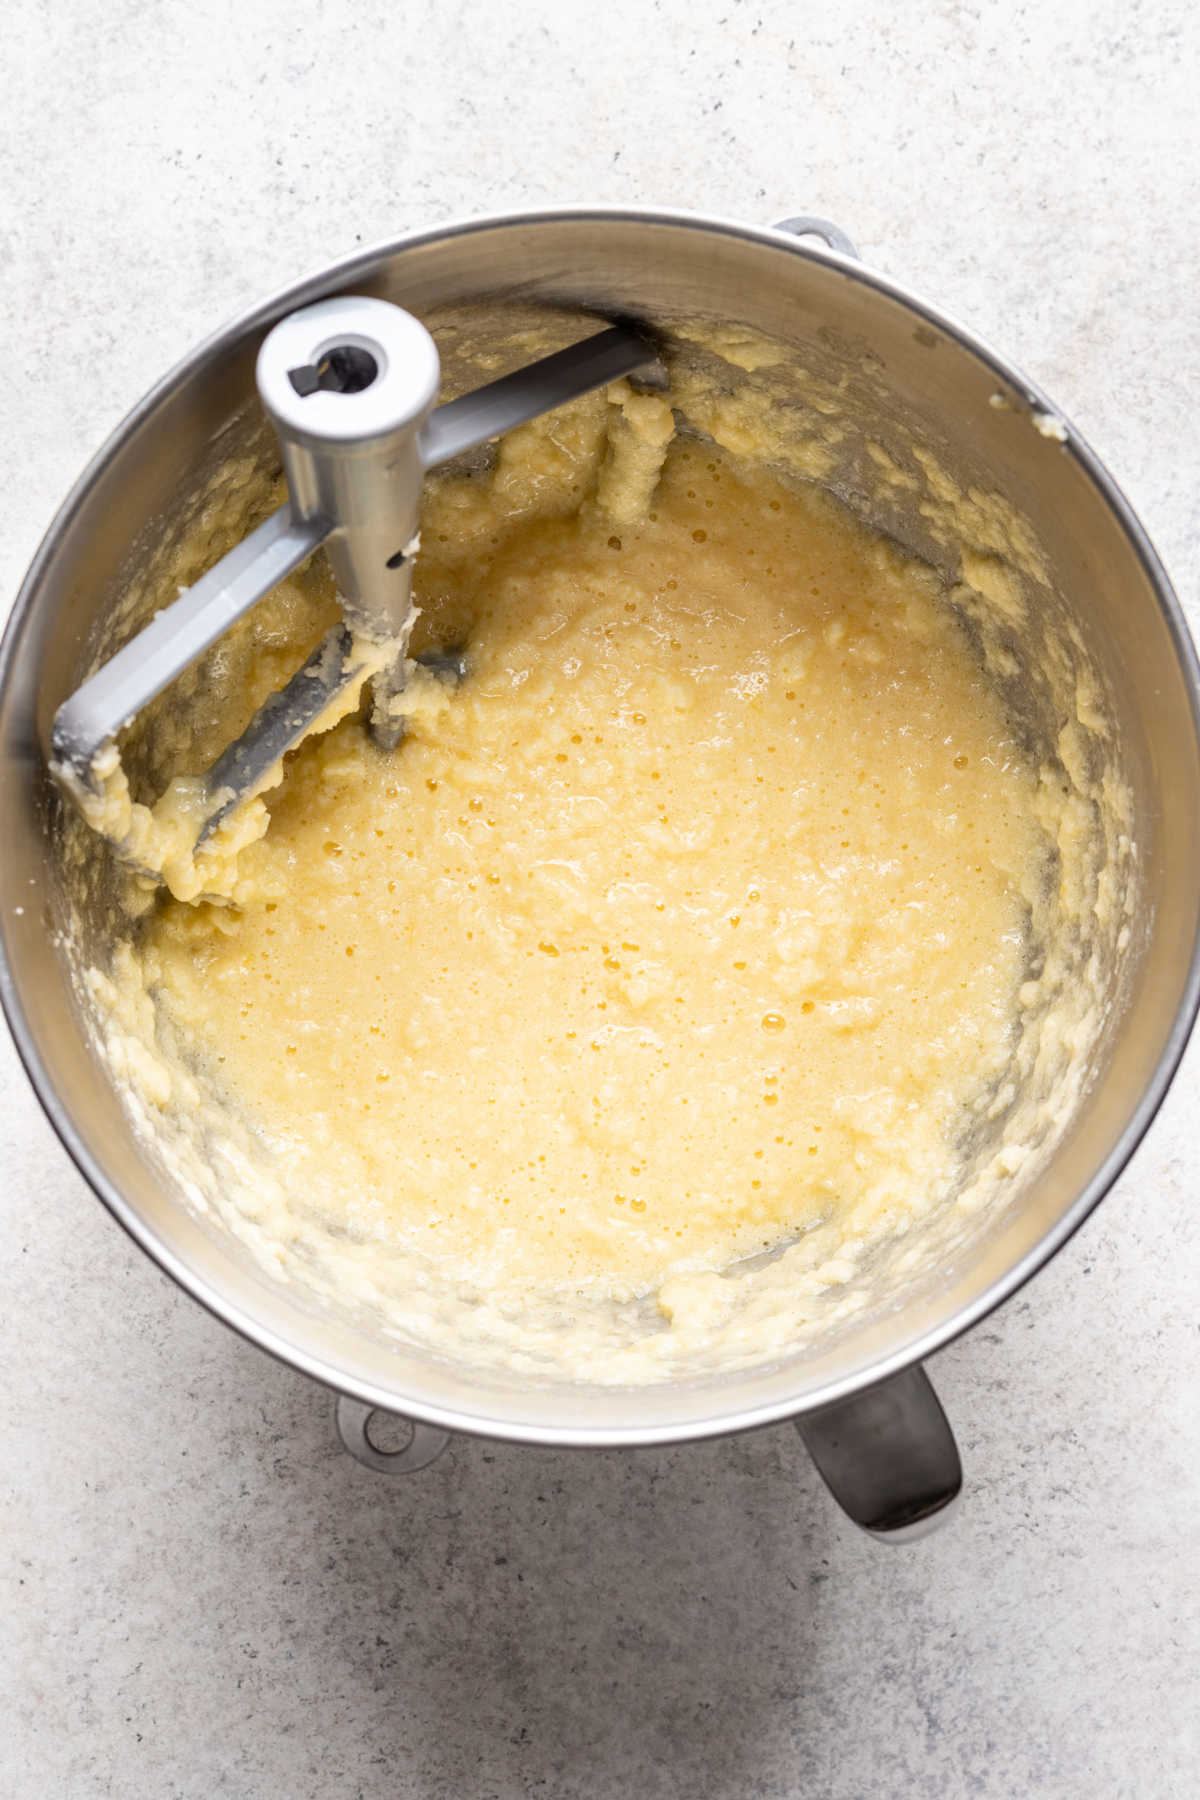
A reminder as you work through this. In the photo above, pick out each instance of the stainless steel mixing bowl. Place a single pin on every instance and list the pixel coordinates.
(861, 1400)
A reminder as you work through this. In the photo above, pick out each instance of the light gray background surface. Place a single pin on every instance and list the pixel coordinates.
(205, 1598)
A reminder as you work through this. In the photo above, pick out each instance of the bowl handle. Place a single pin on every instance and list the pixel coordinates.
(888, 1456)
(353, 1417)
(831, 235)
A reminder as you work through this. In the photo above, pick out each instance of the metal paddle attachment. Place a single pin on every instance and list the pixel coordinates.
(351, 386)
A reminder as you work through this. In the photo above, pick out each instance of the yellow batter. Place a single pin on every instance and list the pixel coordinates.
(695, 918)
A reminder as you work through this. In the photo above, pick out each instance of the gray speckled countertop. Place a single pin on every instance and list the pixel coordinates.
(204, 1597)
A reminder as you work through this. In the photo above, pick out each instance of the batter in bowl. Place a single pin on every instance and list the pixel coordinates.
(694, 926)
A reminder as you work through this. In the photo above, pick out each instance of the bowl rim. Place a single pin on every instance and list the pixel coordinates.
(722, 1420)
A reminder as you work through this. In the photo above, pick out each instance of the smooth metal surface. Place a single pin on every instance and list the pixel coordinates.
(809, 225)
(353, 1421)
(888, 1456)
(176, 636)
(537, 388)
(908, 367)
(351, 451)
